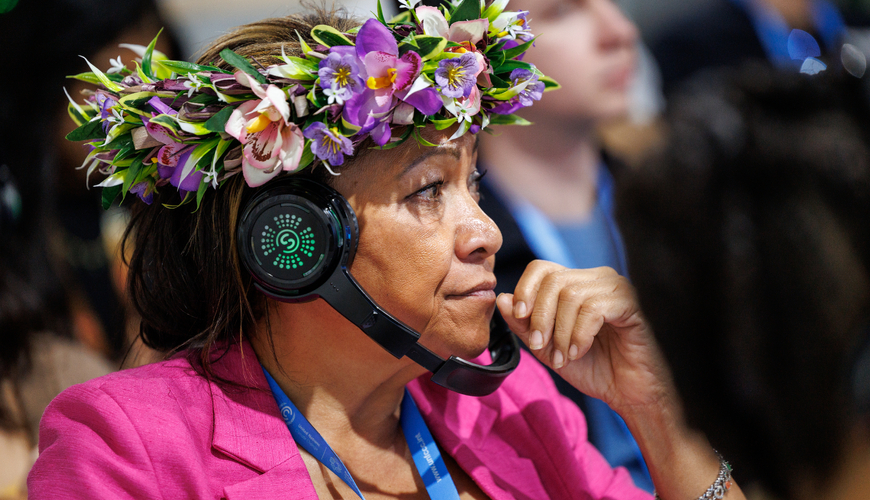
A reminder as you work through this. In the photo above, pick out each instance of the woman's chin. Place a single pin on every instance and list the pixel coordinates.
(470, 344)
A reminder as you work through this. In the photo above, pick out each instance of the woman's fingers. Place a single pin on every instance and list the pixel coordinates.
(520, 326)
(568, 307)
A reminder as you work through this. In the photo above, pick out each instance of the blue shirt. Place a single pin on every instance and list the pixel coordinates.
(593, 242)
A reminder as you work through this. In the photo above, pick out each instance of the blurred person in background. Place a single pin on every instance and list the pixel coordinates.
(729, 32)
(38, 355)
(33, 131)
(60, 317)
(749, 244)
(549, 187)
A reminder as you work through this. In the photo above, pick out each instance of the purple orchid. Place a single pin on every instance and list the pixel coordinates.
(456, 76)
(528, 88)
(533, 90)
(339, 74)
(144, 190)
(513, 25)
(328, 144)
(390, 79)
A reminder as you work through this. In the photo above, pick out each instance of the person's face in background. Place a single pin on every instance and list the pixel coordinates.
(589, 47)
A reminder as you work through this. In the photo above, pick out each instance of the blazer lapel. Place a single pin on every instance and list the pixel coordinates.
(248, 428)
(468, 429)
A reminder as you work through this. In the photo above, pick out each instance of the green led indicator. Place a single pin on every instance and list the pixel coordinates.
(286, 243)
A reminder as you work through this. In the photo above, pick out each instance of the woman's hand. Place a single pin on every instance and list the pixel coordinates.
(586, 325)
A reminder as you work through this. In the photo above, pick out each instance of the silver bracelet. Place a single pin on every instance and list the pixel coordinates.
(720, 486)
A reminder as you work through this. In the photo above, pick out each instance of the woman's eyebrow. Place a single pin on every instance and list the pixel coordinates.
(440, 150)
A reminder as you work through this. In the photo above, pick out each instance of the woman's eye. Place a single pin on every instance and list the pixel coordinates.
(431, 192)
(474, 181)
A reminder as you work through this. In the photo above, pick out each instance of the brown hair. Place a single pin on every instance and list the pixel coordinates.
(185, 277)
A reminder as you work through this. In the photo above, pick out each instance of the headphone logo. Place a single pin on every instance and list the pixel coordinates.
(287, 242)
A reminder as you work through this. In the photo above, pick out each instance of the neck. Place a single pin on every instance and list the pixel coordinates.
(347, 386)
(553, 166)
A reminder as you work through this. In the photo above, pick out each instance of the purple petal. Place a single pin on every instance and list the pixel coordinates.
(141, 189)
(507, 107)
(381, 133)
(375, 37)
(160, 106)
(189, 183)
(361, 106)
(426, 100)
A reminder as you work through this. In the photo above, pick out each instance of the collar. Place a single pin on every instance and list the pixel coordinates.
(248, 428)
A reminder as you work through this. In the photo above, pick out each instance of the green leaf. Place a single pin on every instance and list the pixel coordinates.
(218, 122)
(329, 36)
(307, 156)
(468, 10)
(185, 200)
(495, 8)
(203, 98)
(146, 57)
(90, 130)
(509, 66)
(519, 49)
(442, 124)
(381, 17)
(109, 195)
(184, 67)
(512, 119)
(498, 83)
(131, 175)
(168, 122)
(303, 44)
(421, 140)
(549, 83)
(200, 191)
(242, 64)
(430, 46)
(403, 17)
(105, 80)
(120, 143)
(88, 77)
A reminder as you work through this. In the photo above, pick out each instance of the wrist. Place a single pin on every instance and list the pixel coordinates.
(720, 486)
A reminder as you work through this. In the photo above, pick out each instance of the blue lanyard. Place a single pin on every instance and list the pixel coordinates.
(426, 455)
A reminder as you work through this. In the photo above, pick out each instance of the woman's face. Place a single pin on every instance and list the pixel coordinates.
(426, 251)
(589, 47)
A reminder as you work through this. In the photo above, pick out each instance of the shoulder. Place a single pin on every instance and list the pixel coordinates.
(127, 398)
(58, 363)
(114, 431)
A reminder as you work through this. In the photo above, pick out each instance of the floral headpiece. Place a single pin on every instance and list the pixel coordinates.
(193, 126)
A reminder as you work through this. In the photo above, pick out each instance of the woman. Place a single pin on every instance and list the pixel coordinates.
(206, 424)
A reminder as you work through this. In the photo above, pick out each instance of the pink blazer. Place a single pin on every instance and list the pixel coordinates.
(162, 431)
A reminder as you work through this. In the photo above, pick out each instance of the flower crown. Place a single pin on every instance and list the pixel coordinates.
(193, 126)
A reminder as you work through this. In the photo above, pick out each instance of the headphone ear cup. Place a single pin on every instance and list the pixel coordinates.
(293, 235)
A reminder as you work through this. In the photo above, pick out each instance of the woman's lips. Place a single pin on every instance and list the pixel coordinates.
(485, 290)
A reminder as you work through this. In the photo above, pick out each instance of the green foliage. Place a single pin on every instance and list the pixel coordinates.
(242, 64)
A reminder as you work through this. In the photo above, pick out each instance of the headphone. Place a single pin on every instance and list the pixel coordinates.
(297, 237)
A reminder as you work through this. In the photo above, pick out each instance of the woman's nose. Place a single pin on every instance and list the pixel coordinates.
(615, 29)
(477, 236)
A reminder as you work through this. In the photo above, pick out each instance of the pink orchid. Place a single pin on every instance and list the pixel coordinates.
(271, 143)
